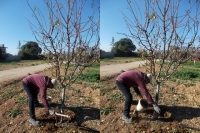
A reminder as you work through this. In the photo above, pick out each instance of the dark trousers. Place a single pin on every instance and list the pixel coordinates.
(126, 92)
(32, 96)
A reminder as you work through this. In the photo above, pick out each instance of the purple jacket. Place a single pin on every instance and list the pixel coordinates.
(39, 82)
(135, 79)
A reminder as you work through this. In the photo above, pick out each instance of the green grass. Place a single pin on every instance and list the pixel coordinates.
(94, 86)
(187, 74)
(188, 71)
(106, 110)
(8, 93)
(106, 88)
(106, 60)
(103, 90)
(22, 100)
(13, 113)
(115, 97)
(191, 64)
(91, 74)
(95, 65)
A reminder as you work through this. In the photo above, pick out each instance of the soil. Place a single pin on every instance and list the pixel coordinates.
(179, 106)
(81, 104)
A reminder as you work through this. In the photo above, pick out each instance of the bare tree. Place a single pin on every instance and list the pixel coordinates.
(166, 31)
(70, 35)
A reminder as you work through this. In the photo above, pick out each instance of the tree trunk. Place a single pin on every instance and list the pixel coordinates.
(62, 103)
(157, 91)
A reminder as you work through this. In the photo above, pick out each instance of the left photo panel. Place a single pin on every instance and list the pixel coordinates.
(50, 66)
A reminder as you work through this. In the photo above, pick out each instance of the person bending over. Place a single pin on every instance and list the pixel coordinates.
(135, 79)
(34, 84)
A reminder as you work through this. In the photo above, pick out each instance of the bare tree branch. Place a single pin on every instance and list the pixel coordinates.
(69, 35)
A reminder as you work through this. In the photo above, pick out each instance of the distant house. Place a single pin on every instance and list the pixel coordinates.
(6, 56)
(2, 52)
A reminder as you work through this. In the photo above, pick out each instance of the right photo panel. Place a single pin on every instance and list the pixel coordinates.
(149, 66)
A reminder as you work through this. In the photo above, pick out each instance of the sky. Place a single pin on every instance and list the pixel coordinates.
(112, 22)
(14, 26)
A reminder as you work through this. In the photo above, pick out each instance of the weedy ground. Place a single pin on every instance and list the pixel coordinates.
(82, 104)
(180, 96)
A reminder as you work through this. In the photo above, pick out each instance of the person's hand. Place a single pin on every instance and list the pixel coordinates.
(156, 108)
(51, 112)
(140, 97)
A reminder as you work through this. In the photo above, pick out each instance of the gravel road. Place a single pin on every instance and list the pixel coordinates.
(113, 69)
(105, 71)
(18, 73)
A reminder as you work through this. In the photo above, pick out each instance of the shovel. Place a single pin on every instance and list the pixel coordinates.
(62, 115)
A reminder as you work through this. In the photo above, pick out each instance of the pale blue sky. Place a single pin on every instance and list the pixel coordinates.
(14, 26)
(112, 21)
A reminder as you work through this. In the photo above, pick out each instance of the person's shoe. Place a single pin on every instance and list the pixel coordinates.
(127, 119)
(33, 121)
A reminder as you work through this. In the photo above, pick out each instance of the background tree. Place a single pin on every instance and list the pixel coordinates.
(123, 48)
(1, 56)
(19, 46)
(167, 27)
(112, 42)
(30, 51)
(71, 28)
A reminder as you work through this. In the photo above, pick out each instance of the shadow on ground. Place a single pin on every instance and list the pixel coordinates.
(83, 114)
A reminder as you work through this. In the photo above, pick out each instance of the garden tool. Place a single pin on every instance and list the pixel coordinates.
(62, 115)
(142, 104)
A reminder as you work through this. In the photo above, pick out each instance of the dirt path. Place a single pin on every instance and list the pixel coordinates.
(111, 70)
(108, 70)
(17, 73)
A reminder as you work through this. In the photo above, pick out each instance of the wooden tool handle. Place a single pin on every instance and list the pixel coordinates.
(62, 115)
